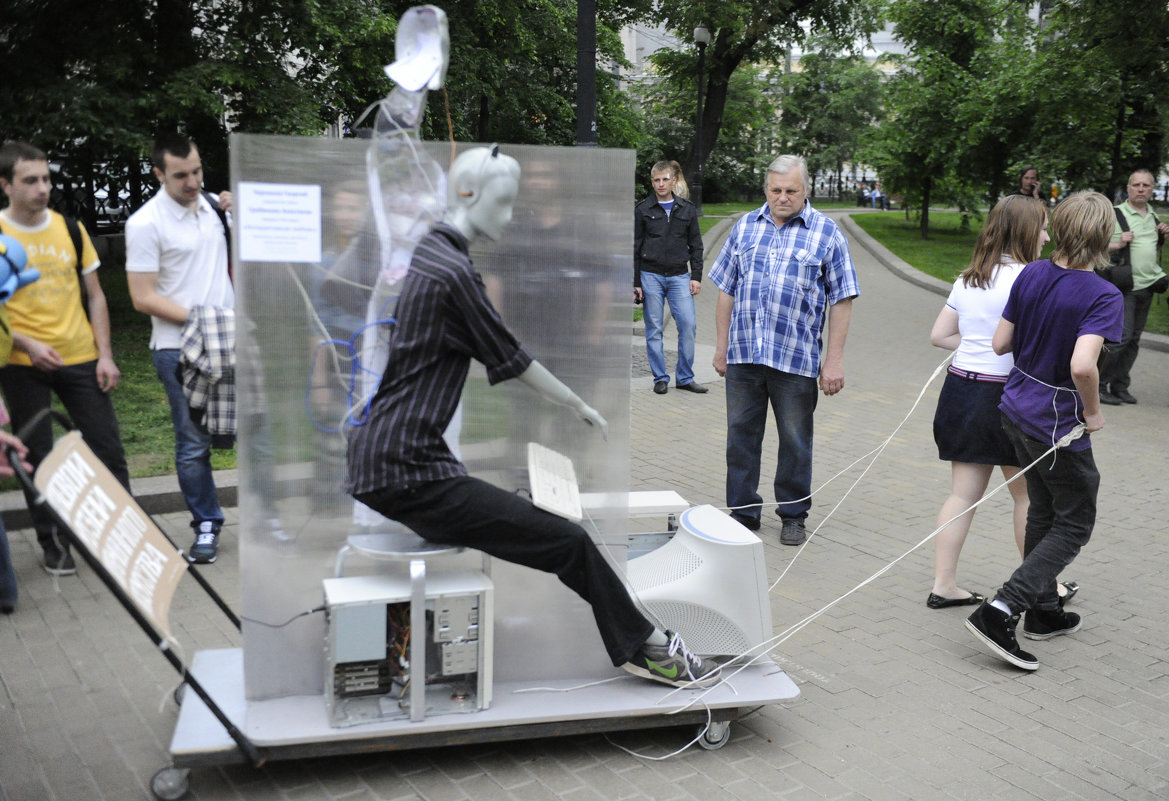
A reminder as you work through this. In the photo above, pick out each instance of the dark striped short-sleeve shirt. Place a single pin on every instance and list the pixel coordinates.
(443, 320)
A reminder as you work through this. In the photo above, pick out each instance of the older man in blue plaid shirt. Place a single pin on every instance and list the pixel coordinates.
(782, 270)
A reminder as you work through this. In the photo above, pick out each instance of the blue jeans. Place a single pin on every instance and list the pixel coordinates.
(29, 390)
(7, 574)
(658, 289)
(1059, 519)
(192, 444)
(750, 388)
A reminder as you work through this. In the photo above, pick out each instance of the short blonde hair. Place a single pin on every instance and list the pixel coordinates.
(1081, 227)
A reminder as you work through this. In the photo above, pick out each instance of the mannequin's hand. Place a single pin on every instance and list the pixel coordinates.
(594, 419)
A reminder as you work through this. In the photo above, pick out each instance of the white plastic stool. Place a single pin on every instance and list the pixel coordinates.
(401, 545)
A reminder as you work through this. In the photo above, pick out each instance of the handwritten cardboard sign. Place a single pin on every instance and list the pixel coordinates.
(112, 527)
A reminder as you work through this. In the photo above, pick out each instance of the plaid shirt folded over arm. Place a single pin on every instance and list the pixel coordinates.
(207, 370)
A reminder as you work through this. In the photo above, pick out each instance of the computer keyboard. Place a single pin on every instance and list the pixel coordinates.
(553, 481)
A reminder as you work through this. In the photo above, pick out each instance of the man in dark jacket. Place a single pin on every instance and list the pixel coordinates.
(667, 245)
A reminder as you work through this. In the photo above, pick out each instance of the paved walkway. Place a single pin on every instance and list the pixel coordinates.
(896, 702)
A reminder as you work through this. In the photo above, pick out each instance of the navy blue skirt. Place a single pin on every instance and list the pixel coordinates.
(967, 424)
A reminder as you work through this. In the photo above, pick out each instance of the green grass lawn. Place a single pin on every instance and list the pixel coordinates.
(948, 249)
(945, 254)
(139, 400)
(714, 213)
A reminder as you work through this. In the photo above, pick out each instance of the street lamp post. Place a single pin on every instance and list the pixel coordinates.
(702, 39)
(586, 73)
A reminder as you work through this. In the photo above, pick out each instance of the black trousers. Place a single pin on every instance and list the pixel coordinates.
(472, 513)
(1118, 359)
(28, 390)
(1063, 489)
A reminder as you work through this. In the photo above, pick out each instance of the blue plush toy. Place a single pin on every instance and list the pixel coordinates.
(13, 276)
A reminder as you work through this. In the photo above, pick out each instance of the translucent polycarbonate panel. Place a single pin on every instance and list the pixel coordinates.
(314, 297)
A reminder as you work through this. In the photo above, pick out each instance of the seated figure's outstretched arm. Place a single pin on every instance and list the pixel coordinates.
(553, 390)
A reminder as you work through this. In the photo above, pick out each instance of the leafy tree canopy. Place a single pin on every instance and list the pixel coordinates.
(828, 104)
(93, 83)
(97, 81)
(984, 91)
(735, 169)
(954, 114)
(751, 33)
(512, 75)
(1103, 91)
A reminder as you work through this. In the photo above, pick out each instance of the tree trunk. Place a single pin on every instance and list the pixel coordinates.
(483, 126)
(1114, 176)
(714, 102)
(926, 186)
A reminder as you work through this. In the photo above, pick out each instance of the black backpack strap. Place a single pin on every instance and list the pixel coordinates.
(74, 229)
(75, 237)
(210, 198)
(4, 317)
(1160, 236)
(1120, 219)
(222, 214)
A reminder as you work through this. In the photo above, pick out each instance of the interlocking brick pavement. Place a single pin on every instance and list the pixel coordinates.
(896, 702)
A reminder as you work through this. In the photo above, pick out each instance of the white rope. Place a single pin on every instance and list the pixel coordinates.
(775, 642)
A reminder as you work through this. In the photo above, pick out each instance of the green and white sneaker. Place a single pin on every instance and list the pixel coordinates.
(673, 664)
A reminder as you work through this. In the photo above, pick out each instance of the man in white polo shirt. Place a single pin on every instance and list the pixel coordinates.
(176, 259)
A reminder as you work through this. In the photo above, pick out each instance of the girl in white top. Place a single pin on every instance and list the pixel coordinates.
(966, 424)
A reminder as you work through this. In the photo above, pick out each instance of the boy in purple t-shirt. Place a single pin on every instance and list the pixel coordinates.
(1056, 320)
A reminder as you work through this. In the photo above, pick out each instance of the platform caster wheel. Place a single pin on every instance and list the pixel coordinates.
(179, 692)
(171, 784)
(715, 735)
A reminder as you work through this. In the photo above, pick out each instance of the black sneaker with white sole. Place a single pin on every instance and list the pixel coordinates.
(1043, 624)
(995, 629)
(206, 546)
(673, 664)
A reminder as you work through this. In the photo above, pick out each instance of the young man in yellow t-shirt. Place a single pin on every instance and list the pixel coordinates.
(56, 349)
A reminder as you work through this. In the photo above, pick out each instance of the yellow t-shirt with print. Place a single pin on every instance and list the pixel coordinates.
(49, 310)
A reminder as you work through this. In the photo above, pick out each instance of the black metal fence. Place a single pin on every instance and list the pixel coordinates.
(101, 195)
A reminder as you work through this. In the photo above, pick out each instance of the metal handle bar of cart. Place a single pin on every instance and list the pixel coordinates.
(246, 746)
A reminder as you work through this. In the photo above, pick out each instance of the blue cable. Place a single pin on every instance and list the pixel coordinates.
(354, 370)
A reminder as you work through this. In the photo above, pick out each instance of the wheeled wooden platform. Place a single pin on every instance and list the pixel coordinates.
(296, 727)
